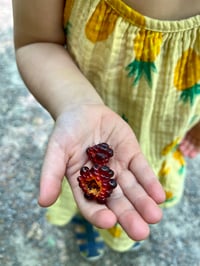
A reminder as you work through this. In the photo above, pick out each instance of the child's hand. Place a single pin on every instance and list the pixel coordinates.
(133, 203)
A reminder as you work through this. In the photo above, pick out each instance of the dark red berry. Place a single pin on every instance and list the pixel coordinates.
(113, 183)
(100, 153)
(84, 170)
(96, 182)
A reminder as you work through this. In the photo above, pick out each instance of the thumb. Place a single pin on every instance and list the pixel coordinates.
(52, 173)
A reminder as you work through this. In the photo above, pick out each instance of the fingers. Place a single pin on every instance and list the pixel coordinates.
(129, 205)
(146, 178)
(134, 208)
(52, 173)
(98, 214)
(142, 202)
(118, 209)
(128, 217)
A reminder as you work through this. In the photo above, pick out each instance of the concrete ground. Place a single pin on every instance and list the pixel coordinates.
(26, 239)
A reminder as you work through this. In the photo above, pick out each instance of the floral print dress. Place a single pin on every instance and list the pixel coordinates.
(146, 70)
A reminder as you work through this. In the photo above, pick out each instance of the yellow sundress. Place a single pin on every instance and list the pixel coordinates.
(146, 70)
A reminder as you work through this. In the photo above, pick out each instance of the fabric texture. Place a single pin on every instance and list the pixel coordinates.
(146, 70)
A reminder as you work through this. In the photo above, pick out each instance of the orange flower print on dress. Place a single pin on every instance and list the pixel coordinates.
(165, 170)
(187, 76)
(147, 45)
(102, 23)
(173, 148)
(169, 196)
(115, 231)
(179, 157)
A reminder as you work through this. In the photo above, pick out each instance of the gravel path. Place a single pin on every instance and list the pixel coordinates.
(26, 239)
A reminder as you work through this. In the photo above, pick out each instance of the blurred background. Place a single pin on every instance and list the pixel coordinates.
(26, 239)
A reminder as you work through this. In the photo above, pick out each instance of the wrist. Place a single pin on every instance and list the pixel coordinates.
(57, 83)
(67, 98)
(74, 106)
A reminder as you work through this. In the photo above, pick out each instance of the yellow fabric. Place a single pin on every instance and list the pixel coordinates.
(65, 207)
(146, 70)
(116, 238)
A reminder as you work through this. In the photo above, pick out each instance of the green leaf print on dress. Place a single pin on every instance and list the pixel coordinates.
(147, 46)
(138, 68)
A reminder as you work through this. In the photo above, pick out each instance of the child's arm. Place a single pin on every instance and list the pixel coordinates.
(81, 121)
(44, 63)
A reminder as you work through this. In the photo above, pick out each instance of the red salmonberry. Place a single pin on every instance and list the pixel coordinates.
(97, 183)
(100, 153)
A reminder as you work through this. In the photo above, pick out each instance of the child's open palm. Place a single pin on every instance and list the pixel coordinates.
(133, 203)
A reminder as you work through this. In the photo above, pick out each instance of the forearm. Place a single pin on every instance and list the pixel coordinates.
(53, 78)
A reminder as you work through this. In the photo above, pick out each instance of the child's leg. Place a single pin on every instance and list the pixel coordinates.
(190, 145)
